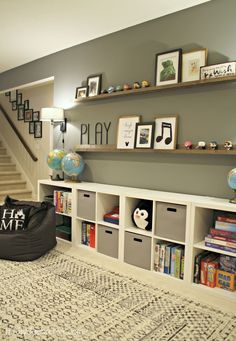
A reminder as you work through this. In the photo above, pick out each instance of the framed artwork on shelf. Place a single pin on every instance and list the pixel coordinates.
(168, 67)
(94, 85)
(31, 127)
(13, 105)
(28, 115)
(21, 112)
(35, 116)
(81, 91)
(165, 132)
(191, 63)
(38, 129)
(218, 70)
(126, 131)
(144, 135)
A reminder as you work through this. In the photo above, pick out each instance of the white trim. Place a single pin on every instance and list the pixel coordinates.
(30, 85)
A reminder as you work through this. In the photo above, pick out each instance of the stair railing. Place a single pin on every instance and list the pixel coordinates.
(33, 157)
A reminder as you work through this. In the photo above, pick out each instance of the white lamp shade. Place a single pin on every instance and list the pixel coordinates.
(52, 114)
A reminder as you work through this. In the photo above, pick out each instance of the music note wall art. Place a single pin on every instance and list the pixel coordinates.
(165, 132)
(126, 131)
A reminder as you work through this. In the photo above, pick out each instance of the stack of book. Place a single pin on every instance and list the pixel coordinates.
(223, 236)
(62, 201)
(169, 259)
(88, 234)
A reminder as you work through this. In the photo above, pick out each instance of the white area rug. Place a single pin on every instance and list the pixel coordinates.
(60, 297)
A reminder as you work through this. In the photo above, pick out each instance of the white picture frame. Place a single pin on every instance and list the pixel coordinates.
(165, 132)
(192, 61)
(126, 131)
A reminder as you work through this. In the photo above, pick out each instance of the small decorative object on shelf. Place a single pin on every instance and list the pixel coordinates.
(218, 70)
(188, 144)
(54, 160)
(111, 89)
(113, 216)
(168, 67)
(232, 183)
(228, 145)
(119, 88)
(136, 85)
(201, 145)
(127, 86)
(94, 85)
(72, 165)
(213, 145)
(145, 84)
(142, 215)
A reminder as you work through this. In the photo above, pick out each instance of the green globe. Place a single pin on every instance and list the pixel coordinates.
(54, 159)
(232, 178)
(72, 165)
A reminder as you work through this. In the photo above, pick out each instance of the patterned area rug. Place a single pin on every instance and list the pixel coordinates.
(59, 297)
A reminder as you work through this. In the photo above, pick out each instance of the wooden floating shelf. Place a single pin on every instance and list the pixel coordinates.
(152, 89)
(110, 148)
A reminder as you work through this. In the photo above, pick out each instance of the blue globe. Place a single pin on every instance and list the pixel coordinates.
(54, 158)
(72, 165)
(232, 178)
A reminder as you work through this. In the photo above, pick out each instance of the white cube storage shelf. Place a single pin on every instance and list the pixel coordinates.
(177, 218)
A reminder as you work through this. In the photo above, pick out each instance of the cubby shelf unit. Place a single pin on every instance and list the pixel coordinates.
(115, 240)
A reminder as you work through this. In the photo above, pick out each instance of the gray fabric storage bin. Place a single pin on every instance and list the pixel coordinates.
(170, 221)
(86, 205)
(107, 241)
(137, 250)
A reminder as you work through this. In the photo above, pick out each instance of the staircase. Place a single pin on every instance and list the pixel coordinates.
(11, 182)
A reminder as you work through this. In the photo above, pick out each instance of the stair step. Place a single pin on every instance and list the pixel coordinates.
(7, 166)
(12, 185)
(16, 194)
(10, 175)
(3, 151)
(5, 159)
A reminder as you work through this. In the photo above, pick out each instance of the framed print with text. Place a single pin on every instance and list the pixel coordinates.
(126, 131)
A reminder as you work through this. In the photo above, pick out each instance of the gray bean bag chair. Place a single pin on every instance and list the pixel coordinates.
(27, 229)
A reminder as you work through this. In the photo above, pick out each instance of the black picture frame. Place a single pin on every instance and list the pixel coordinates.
(8, 93)
(21, 112)
(31, 127)
(94, 85)
(13, 105)
(144, 135)
(38, 130)
(36, 116)
(170, 73)
(19, 99)
(26, 104)
(13, 96)
(28, 115)
(81, 92)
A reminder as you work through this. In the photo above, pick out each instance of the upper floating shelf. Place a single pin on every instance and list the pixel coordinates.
(152, 89)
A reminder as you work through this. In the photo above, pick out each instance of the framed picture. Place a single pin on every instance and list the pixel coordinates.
(94, 85)
(126, 131)
(168, 67)
(13, 105)
(28, 115)
(144, 135)
(35, 116)
(21, 112)
(26, 104)
(38, 129)
(8, 93)
(191, 63)
(81, 92)
(19, 99)
(13, 95)
(218, 70)
(165, 132)
(31, 127)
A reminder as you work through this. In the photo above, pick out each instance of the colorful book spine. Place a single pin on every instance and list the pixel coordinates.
(84, 233)
(221, 225)
(92, 235)
(88, 234)
(197, 266)
(182, 266)
(172, 262)
(204, 268)
(157, 257)
(226, 239)
(162, 257)
(221, 247)
(167, 259)
(219, 242)
(178, 255)
(222, 233)
(226, 219)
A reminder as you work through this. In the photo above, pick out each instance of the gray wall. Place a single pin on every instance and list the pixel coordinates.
(206, 113)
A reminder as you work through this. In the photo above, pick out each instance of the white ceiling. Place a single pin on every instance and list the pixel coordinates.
(31, 29)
